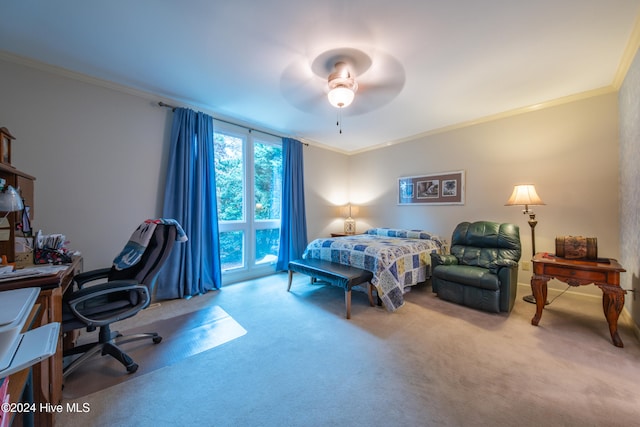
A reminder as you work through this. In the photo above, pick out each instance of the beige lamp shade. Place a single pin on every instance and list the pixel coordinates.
(524, 195)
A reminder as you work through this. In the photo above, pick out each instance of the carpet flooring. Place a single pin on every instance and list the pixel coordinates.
(182, 336)
(431, 363)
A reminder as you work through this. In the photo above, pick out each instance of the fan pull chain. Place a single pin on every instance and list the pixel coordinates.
(339, 120)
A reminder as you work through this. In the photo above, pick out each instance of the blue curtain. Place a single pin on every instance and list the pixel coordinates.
(293, 230)
(193, 267)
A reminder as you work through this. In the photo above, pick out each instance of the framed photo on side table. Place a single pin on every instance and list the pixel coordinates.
(445, 188)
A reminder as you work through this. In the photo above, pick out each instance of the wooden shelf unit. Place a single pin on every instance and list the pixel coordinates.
(24, 183)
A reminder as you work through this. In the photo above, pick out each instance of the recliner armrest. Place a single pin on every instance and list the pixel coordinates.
(500, 263)
(443, 259)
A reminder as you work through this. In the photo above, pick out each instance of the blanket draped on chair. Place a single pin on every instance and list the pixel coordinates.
(139, 240)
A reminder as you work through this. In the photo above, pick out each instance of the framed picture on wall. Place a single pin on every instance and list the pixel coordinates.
(446, 188)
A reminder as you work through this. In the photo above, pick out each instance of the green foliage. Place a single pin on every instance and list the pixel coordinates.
(231, 249)
(230, 192)
(268, 180)
(229, 178)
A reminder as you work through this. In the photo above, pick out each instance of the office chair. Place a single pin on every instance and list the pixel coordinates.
(126, 292)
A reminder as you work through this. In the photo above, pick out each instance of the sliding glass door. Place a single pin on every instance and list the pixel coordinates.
(248, 187)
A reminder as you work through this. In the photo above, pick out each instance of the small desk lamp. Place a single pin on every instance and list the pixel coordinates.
(10, 200)
(525, 195)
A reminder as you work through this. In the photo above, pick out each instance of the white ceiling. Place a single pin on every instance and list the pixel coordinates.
(441, 62)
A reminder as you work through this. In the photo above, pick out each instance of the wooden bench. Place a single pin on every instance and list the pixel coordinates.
(334, 273)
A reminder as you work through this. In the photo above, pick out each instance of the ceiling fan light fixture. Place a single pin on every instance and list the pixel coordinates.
(341, 96)
(342, 87)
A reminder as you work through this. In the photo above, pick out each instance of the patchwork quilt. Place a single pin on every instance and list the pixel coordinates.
(397, 258)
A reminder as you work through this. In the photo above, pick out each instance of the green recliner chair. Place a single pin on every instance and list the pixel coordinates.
(481, 270)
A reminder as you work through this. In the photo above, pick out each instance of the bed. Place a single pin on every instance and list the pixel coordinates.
(397, 258)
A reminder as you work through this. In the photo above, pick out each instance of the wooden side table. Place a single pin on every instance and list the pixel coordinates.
(604, 273)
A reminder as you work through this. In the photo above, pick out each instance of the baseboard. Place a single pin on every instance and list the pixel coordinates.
(553, 291)
(625, 316)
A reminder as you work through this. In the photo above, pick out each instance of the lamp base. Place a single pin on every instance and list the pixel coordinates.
(349, 226)
(531, 299)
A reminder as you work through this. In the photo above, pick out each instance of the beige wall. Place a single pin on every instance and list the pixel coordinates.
(326, 190)
(98, 152)
(99, 155)
(570, 152)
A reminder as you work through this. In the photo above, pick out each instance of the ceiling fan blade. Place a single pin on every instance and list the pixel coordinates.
(370, 97)
(382, 82)
(380, 79)
(356, 61)
(303, 89)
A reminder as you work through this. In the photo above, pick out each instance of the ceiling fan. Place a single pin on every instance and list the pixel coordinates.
(342, 86)
(346, 78)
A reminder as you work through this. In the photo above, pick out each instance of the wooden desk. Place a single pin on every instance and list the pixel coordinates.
(47, 376)
(605, 275)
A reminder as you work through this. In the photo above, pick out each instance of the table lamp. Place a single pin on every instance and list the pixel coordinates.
(526, 195)
(349, 223)
(10, 200)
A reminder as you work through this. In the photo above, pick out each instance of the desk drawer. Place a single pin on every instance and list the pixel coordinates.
(571, 273)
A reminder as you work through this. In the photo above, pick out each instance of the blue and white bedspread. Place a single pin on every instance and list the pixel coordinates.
(397, 258)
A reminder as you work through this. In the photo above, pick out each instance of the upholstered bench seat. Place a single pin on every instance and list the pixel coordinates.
(337, 274)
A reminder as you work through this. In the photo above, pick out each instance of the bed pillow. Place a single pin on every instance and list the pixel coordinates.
(410, 234)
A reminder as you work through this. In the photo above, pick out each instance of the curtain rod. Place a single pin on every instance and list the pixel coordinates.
(173, 107)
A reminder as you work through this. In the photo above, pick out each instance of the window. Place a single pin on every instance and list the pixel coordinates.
(248, 168)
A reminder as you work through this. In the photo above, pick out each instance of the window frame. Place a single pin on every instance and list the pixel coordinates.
(249, 225)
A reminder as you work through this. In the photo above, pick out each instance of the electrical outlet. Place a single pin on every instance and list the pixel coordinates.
(526, 266)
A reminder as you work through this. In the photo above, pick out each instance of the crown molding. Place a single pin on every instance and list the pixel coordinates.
(498, 116)
(623, 68)
(628, 55)
(63, 72)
